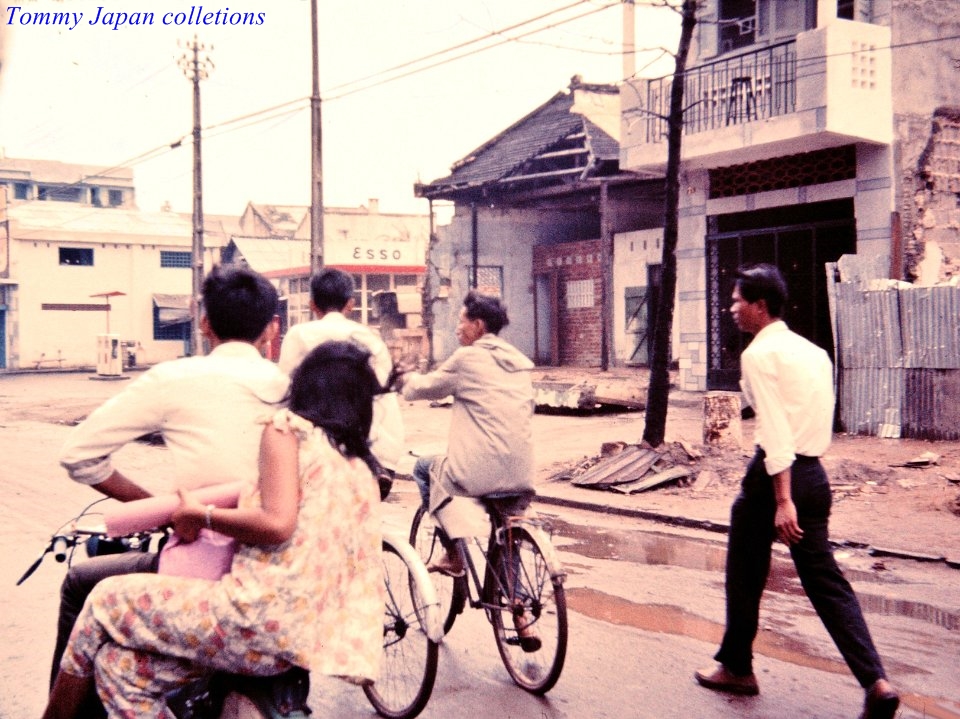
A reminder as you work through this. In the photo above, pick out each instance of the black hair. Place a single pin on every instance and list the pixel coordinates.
(763, 282)
(238, 302)
(334, 388)
(487, 308)
(331, 289)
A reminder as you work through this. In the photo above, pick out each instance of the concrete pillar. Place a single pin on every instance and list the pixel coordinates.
(722, 426)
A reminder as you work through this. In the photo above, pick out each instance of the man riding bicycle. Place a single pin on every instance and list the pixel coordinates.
(490, 445)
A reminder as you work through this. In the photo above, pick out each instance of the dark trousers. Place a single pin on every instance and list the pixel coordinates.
(80, 581)
(748, 562)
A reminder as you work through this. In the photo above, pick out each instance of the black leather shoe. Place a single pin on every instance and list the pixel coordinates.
(722, 680)
(881, 701)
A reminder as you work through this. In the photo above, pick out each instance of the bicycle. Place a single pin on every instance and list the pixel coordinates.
(522, 588)
(412, 632)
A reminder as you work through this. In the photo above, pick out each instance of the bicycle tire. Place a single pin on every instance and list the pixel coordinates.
(540, 597)
(451, 591)
(408, 669)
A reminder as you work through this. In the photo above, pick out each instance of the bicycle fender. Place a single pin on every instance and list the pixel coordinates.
(534, 528)
(431, 603)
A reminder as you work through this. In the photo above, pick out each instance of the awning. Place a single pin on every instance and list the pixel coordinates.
(172, 309)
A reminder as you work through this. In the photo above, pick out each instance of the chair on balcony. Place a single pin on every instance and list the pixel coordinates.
(741, 104)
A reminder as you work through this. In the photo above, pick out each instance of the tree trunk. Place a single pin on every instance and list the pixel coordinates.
(659, 389)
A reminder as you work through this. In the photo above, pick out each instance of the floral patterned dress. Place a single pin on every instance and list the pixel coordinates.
(315, 601)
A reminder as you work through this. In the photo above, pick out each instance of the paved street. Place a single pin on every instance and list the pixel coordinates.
(646, 600)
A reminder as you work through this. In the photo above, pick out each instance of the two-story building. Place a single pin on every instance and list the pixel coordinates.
(813, 129)
(79, 260)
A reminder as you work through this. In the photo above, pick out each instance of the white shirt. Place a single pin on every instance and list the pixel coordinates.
(788, 380)
(209, 410)
(386, 431)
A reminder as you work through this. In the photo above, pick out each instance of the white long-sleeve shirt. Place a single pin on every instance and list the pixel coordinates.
(788, 380)
(386, 430)
(209, 410)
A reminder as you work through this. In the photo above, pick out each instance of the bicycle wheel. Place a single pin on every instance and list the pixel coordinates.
(521, 592)
(409, 664)
(425, 538)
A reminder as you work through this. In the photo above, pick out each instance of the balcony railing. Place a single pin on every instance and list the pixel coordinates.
(748, 87)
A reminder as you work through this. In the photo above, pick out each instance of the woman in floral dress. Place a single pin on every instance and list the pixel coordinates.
(305, 588)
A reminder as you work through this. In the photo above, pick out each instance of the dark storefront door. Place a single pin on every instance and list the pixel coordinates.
(799, 240)
(546, 303)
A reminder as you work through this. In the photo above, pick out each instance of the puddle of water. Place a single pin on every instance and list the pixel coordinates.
(667, 619)
(657, 549)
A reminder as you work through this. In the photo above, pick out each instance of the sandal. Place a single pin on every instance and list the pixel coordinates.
(447, 566)
(526, 632)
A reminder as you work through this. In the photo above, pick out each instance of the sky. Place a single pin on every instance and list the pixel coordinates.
(104, 95)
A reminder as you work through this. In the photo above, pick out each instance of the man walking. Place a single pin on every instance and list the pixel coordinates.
(331, 300)
(786, 494)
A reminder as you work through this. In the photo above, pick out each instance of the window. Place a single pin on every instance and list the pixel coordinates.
(169, 258)
(21, 191)
(171, 317)
(579, 294)
(489, 280)
(738, 24)
(59, 193)
(298, 300)
(76, 256)
(95, 197)
(115, 198)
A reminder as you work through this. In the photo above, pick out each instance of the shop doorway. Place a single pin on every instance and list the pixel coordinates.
(799, 240)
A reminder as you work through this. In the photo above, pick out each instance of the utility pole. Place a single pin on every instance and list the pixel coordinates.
(316, 149)
(196, 67)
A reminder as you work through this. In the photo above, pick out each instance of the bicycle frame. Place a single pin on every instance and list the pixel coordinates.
(500, 526)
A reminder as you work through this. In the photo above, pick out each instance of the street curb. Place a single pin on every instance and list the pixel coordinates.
(723, 528)
(685, 522)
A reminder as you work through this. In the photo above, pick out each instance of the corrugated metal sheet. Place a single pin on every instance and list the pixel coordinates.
(870, 400)
(899, 359)
(932, 406)
(931, 329)
(869, 327)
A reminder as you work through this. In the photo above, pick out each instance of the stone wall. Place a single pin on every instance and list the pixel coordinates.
(933, 243)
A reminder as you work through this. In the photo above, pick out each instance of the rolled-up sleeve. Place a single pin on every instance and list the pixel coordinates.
(136, 411)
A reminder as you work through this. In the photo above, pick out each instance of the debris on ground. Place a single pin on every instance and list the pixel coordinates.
(924, 460)
(629, 469)
(707, 470)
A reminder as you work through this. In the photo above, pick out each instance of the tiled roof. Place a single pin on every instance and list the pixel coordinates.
(565, 117)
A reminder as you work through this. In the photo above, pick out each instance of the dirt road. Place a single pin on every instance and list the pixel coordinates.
(905, 508)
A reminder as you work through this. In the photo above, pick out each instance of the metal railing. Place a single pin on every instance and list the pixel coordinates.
(752, 86)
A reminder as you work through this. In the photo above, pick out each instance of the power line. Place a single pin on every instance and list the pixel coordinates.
(469, 53)
(460, 46)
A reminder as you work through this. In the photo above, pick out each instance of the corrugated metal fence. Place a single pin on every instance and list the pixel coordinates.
(898, 351)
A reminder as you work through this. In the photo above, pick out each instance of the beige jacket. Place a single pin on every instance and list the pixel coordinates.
(490, 448)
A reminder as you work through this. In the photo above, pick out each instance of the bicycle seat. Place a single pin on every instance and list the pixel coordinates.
(506, 504)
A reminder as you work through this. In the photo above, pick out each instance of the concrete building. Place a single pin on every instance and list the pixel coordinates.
(814, 129)
(536, 211)
(385, 253)
(78, 260)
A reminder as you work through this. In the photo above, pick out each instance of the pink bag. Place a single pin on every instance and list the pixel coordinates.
(209, 556)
